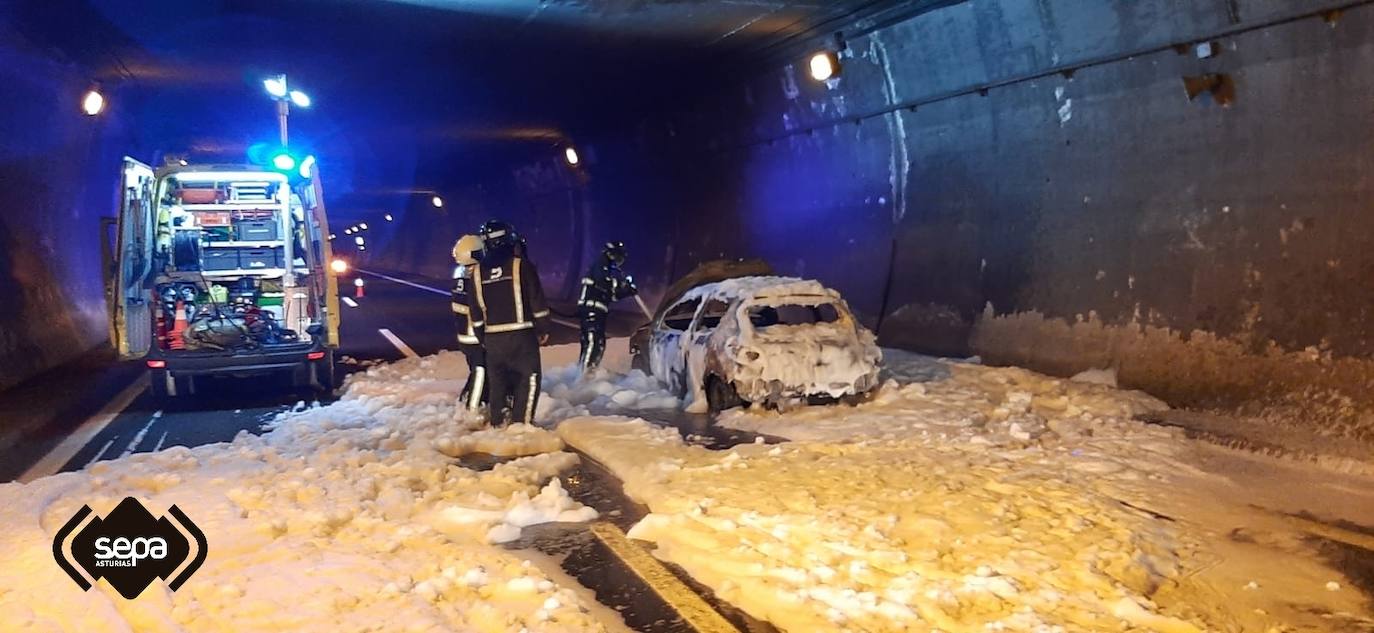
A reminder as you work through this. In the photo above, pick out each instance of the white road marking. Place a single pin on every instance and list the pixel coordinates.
(400, 345)
(350, 302)
(446, 293)
(407, 283)
(138, 437)
(97, 457)
(64, 452)
(160, 440)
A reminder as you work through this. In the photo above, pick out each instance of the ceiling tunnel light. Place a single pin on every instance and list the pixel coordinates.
(824, 65)
(299, 98)
(93, 103)
(570, 155)
(276, 86)
(437, 201)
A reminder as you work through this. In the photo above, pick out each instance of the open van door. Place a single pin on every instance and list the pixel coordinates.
(131, 328)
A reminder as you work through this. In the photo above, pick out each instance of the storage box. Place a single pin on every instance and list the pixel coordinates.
(256, 230)
(201, 196)
(212, 218)
(258, 258)
(219, 259)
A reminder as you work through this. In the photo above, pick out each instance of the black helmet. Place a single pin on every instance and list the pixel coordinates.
(614, 252)
(497, 235)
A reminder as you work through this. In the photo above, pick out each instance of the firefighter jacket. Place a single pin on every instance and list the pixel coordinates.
(605, 284)
(462, 315)
(506, 296)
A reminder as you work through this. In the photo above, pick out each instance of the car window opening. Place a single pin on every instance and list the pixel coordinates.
(679, 317)
(792, 314)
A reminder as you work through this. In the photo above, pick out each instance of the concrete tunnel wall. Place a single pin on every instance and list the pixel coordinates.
(970, 198)
(1028, 180)
(59, 173)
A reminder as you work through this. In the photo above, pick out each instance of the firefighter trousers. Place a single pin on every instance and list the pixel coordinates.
(512, 371)
(593, 338)
(475, 391)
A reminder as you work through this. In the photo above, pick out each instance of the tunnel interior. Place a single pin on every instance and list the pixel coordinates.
(1178, 192)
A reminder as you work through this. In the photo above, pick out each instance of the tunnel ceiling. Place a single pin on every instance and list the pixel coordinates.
(409, 91)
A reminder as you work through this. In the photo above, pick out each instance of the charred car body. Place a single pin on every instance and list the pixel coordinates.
(776, 341)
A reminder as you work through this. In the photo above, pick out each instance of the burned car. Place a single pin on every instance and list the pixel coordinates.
(775, 341)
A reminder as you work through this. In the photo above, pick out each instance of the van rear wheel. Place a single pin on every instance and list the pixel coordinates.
(166, 385)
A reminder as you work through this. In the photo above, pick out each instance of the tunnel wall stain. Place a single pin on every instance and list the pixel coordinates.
(1078, 210)
(59, 175)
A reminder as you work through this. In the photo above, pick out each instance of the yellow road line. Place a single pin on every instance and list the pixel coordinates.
(680, 598)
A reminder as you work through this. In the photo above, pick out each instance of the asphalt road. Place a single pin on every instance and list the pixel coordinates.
(76, 417)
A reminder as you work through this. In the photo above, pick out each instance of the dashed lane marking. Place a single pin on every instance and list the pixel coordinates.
(138, 437)
(65, 451)
(406, 283)
(350, 302)
(104, 448)
(160, 440)
(562, 322)
(680, 598)
(400, 345)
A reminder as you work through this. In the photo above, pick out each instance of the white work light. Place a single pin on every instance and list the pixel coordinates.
(307, 165)
(359, 240)
(363, 226)
(93, 103)
(570, 155)
(299, 98)
(276, 86)
(437, 201)
(388, 217)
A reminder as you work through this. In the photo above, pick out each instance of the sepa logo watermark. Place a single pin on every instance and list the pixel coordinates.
(129, 548)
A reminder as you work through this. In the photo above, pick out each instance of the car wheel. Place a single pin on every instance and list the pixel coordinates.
(166, 386)
(721, 394)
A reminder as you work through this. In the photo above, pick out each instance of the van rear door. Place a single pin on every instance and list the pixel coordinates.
(131, 327)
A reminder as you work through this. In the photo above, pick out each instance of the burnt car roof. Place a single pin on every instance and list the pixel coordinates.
(711, 272)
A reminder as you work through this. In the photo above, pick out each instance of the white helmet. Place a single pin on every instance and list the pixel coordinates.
(466, 248)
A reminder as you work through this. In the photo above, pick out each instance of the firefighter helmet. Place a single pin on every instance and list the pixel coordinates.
(615, 252)
(498, 235)
(467, 249)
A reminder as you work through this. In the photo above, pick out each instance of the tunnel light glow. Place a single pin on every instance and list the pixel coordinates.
(824, 65)
(388, 217)
(359, 240)
(284, 162)
(299, 98)
(339, 266)
(437, 201)
(570, 155)
(276, 86)
(93, 103)
(307, 165)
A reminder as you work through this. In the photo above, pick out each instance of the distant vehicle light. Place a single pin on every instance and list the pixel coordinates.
(437, 201)
(570, 155)
(388, 217)
(307, 166)
(315, 356)
(301, 99)
(276, 86)
(824, 65)
(358, 282)
(93, 103)
(157, 364)
(284, 162)
(339, 266)
(359, 240)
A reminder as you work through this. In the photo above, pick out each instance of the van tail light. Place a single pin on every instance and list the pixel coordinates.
(315, 356)
(157, 364)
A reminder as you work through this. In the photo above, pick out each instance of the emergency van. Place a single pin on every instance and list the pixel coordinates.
(223, 270)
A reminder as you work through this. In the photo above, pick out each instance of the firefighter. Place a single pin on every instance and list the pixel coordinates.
(465, 253)
(511, 318)
(604, 284)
